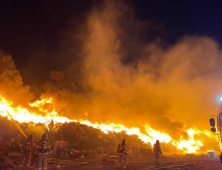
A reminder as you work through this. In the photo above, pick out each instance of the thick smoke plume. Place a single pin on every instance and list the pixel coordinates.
(125, 80)
(11, 84)
(171, 88)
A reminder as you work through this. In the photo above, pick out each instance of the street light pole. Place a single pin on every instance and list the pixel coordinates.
(219, 121)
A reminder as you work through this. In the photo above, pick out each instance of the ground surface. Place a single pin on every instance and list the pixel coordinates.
(101, 162)
(167, 163)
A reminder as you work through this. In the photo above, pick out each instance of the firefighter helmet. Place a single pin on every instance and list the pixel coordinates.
(124, 141)
(44, 135)
(30, 137)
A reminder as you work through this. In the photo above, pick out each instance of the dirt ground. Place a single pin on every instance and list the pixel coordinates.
(176, 162)
(167, 163)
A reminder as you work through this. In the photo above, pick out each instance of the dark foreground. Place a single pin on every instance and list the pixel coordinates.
(167, 163)
(177, 162)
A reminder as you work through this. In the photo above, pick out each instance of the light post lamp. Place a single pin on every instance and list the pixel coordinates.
(220, 104)
(219, 119)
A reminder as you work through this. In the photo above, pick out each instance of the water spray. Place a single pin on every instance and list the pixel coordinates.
(15, 123)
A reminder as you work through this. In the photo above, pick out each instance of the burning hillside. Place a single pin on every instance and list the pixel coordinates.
(145, 134)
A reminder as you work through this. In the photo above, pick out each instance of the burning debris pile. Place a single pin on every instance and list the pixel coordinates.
(83, 143)
(43, 112)
(80, 139)
(83, 137)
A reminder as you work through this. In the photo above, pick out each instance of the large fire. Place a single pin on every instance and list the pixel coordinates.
(46, 107)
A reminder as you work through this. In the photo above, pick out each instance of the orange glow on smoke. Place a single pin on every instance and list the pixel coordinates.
(46, 108)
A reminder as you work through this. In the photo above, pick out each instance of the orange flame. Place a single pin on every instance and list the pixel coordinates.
(20, 114)
(190, 145)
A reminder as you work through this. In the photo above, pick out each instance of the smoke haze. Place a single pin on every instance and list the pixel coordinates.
(121, 78)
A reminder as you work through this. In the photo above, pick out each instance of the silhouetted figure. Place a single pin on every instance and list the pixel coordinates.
(43, 149)
(121, 151)
(26, 153)
(34, 157)
(157, 152)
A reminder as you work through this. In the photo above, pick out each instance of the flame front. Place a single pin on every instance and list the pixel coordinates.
(46, 107)
(191, 145)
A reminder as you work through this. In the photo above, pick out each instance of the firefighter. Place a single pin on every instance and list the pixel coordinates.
(121, 151)
(26, 153)
(34, 157)
(43, 150)
(157, 152)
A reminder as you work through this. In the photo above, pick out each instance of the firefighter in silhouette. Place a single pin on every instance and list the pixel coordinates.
(34, 157)
(121, 151)
(43, 150)
(157, 152)
(26, 149)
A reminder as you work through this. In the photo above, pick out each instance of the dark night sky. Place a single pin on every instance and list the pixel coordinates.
(32, 30)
